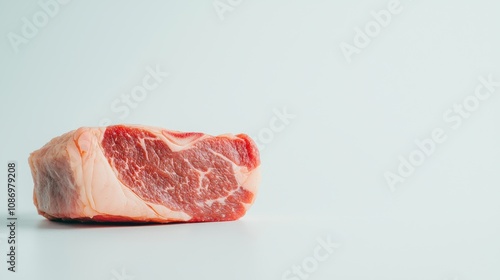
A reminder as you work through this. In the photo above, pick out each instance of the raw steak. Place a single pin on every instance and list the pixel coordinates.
(145, 174)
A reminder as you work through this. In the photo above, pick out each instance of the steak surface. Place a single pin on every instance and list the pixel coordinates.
(145, 174)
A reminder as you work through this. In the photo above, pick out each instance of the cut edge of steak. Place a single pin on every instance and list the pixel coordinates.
(55, 188)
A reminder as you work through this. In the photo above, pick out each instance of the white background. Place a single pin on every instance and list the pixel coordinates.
(323, 172)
